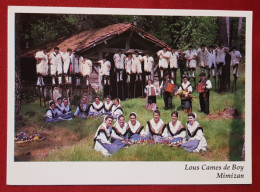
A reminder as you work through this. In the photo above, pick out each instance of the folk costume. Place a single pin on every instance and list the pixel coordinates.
(120, 135)
(82, 111)
(108, 107)
(68, 59)
(174, 64)
(41, 67)
(204, 96)
(51, 114)
(191, 63)
(128, 68)
(86, 70)
(148, 66)
(96, 109)
(105, 71)
(119, 59)
(78, 60)
(196, 137)
(175, 133)
(167, 96)
(164, 57)
(151, 92)
(221, 58)
(56, 66)
(212, 62)
(203, 59)
(186, 101)
(235, 60)
(117, 110)
(154, 131)
(136, 132)
(137, 66)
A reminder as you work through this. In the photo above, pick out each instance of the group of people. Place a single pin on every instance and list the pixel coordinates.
(109, 139)
(61, 110)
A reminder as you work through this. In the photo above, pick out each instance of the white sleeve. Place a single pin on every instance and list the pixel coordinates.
(190, 88)
(77, 111)
(182, 134)
(114, 135)
(48, 114)
(147, 132)
(103, 138)
(165, 133)
(199, 135)
(161, 85)
(208, 84)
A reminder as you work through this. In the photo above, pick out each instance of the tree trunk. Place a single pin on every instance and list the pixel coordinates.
(224, 38)
(239, 32)
(17, 68)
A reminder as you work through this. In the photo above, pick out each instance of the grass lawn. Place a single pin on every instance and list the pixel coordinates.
(224, 135)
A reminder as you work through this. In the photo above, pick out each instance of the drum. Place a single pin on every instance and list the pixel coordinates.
(170, 88)
(200, 88)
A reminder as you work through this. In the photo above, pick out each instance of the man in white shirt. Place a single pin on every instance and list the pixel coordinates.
(164, 57)
(191, 63)
(104, 71)
(41, 66)
(77, 67)
(148, 66)
(174, 63)
(68, 59)
(235, 60)
(56, 65)
(221, 57)
(204, 96)
(86, 69)
(203, 58)
(119, 59)
(212, 62)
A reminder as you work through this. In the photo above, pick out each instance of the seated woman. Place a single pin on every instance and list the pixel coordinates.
(51, 114)
(102, 138)
(117, 108)
(175, 131)
(97, 108)
(120, 132)
(67, 114)
(151, 91)
(154, 129)
(82, 109)
(108, 104)
(136, 130)
(197, 141)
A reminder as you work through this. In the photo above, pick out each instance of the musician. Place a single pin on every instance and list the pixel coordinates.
(136, 130)
(203, 58)
(108, 104)
(155, 128)
(117, 108)
(102, 138)
(96, 108)
(68, 59)
(41, 66)
(197, 141)
(221, 58)
(51, 115)
(186, 100)
(191, 63)
(164, 57)
(119, 135)
(119, 59)
(205, 85)
(128, 67)
(174, 63)
(56, 65)
(175, 132)
(235, 60)
(105, 71)
(148, 65)
(151, 92)
(167, 91)
(78, 60)
(82, 109)
(212, 61)
(86, 69)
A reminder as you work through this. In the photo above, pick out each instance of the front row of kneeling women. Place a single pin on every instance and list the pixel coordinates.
(109, 139)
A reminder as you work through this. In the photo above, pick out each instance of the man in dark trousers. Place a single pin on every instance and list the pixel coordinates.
(204, 87)
(167, 86)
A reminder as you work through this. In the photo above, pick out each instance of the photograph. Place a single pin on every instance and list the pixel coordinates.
(126, 87)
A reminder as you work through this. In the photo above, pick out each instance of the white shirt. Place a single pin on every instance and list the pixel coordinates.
(86, 67)
(135, 127)
(148, 63)
(199, 136)
(156, 126)
(188, 84)
(67, 60)
(203, 57)
(95, 107)
(163, 58)
(108, 105)
(78, 64)
(116, 110)
(119, 61)
(122, 130)
(174, 129)
(55, 59)
(221, 55)
(148, 90)
(191, 54)
(42, 66)
(212, 58)
(128, 65)
(174, 60)
(50, 112)
(235, 58)
(102, 136)
(136, 64)
(105, 68)
(84, 106)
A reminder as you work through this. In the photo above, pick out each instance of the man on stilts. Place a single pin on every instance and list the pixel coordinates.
(191, 63)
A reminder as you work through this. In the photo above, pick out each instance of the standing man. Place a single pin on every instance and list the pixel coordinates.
(164, 57)
(203, 58)
(41, 66)
(68, 59)
(167, 86)
(204, 94)
(212, 62)
(119, 59)
(137, 68)
(148, 66)
(56, 65)
(104, 74)
(86, 69)
(174, 63)
(191, 63)
(235, 60)
(78, 60)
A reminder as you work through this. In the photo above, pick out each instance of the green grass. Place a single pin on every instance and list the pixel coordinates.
(224, 136)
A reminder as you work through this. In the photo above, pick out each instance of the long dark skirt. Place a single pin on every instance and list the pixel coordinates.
(190, 145)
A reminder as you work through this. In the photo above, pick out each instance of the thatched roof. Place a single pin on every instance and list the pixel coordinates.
(90, 38)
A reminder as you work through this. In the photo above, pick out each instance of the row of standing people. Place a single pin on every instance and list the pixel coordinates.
(61, 110)
(109, 139)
